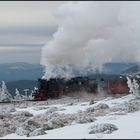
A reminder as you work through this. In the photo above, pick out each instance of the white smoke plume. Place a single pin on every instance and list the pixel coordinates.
(92, 33)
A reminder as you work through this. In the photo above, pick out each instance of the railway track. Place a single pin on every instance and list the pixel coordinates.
(11, 102)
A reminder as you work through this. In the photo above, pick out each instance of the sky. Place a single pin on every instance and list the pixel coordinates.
(26, 26)
(47, 31)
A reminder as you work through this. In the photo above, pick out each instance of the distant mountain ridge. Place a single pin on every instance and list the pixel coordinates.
(116, 68)
(132, 70)
(26, 71)
(20, 71)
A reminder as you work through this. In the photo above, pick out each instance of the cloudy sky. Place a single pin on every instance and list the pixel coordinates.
(25, 26)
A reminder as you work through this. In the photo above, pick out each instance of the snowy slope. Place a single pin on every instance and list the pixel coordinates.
(126, 121)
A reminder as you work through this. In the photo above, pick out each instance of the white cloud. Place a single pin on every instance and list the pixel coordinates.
(93, 33)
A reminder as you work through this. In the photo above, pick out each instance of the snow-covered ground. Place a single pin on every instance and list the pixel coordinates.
(71, 118)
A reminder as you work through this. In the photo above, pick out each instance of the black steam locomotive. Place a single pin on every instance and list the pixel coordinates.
(56, 87)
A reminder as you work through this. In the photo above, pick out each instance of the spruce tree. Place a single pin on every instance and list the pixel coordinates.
(5, 95)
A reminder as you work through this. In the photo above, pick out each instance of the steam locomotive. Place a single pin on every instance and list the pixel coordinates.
(56, 87)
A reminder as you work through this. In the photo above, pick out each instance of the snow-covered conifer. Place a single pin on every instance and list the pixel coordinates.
(25, 97)
(17, 97)
(31, 95)
(5, 95)
(134, 87)
(0, 94)
(130, 85)
(35, 88)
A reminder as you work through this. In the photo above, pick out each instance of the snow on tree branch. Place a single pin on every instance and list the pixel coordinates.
(134, 87)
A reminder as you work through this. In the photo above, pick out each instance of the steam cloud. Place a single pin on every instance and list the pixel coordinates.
(91, 34)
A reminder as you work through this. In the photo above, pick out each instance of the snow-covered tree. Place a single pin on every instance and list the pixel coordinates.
(130, 85)
(5, 95)
(17, 97)
(134, 87)
(31, 95)
(0, 94)
(25, 97)
(35, 88)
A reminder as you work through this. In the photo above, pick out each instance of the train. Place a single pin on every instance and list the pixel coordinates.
(57, 87)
